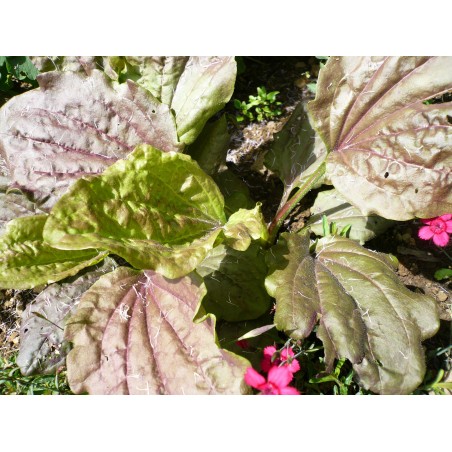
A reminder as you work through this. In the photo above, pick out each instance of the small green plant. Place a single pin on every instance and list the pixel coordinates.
(13, 382)
(260, 107)
(14, 70)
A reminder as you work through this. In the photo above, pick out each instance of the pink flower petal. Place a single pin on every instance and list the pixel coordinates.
(286, 353)
(427, 220)
(269, 351)
(266, 362)
(279, 376)
(425, 233)
(254, 379)
(288, 390)
(449, 226)
(294, 366)
(441, 239)
(446, 217)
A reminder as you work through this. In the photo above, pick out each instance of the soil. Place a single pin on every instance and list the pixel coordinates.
(418, 259)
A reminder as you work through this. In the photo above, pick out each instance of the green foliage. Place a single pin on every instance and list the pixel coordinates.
(12, 382)
(443, 273)
(133, 192)
(15, 69)
(262, 107)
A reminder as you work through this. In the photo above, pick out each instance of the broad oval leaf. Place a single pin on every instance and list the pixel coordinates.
(42, 348)
(234, 281)
(391, 153)
(76, 125)
(157, 210)
(366, 314)
(26, 260)
(133, 333)
(336, 209)
(195, 88)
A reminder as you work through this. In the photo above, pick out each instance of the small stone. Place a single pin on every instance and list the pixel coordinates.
(442, 296)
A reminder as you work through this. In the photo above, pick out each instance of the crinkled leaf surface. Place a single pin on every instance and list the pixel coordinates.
(339, 211)
(296, 152)
(244, 226)
(26, 260)
(76, 125)
(366, 314)
(391, 153)
(235, 283)
(195, 88)
(133, 333)
(157, 210)
(42, 348)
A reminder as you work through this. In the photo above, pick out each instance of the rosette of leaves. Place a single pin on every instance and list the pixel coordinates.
(361, 309)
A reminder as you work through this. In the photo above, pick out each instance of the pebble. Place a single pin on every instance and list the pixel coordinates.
(442, 296)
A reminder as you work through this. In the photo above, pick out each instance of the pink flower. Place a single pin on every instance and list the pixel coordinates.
(437, 228)
(285, 357)
(276, 383)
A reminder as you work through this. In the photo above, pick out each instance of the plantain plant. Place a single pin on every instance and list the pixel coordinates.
(113, 157)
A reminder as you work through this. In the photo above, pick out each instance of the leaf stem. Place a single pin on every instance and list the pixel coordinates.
(285, 210)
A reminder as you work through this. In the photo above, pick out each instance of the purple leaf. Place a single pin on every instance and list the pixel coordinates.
(390, 153)
(75, 125)
(133, 333)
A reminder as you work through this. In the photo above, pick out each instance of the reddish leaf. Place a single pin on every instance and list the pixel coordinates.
(133, 333)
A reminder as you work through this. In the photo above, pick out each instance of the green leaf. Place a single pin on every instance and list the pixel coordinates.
(443, 273)
(290, 281)
(133, 333)
(235, 283)
(295, 152)
(390, 153)
(366, 314)
(244, 226)
(42, 348)
(22, 68)
(26, 260)
(195, 88)
(158, 210)
(338, 210)
(211, 146)
(235, 191)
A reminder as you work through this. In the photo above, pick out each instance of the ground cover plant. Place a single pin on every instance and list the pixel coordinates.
(157, 273)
